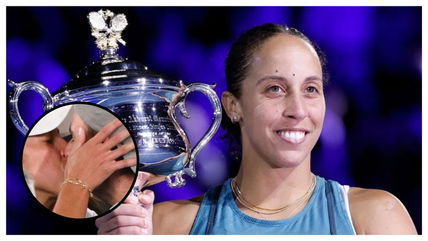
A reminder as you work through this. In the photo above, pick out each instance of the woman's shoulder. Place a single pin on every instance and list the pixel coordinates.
(175, 217)
(375, 211)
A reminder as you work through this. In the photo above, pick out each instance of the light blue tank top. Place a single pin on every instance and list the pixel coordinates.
(325, 213)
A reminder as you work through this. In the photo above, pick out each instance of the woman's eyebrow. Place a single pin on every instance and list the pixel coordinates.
(313, 78)
(271, 77)
(282, 78)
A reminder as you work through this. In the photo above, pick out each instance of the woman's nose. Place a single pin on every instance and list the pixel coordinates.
(295, 107)
(61, 145)
(66, 150)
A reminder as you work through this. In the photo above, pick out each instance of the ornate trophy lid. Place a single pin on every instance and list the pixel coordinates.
(107, 34)
(107, 29)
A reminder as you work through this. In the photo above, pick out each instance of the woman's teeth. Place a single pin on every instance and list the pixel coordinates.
(292, 136)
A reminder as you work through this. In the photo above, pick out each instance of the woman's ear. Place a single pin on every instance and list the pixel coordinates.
(231, 105)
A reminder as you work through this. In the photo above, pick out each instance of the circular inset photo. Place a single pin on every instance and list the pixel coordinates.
(79, 160)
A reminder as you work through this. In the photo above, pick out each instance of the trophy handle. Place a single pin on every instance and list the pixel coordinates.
(18, 88)
(215, 102)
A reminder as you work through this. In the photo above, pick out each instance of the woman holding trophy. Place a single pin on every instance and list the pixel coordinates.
(275, 106)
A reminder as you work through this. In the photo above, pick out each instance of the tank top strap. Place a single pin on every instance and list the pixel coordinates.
(330, 206)
(214, 195)
(206, 215)
(339, 218)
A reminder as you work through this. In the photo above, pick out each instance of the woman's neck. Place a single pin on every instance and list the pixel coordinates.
(268, 187)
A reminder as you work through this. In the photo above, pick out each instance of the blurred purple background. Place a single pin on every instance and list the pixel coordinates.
(372, 135)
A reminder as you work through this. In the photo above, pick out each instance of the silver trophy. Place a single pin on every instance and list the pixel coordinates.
(145, 101)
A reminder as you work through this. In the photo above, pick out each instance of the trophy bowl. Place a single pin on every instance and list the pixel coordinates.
(144, 100)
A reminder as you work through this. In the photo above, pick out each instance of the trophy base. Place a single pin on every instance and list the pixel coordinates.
(165, 167)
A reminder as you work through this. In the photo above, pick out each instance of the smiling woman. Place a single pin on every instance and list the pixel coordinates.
(275, 105)
(279, 107)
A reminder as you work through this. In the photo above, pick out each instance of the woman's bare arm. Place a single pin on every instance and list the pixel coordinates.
(378, 212)
(72, 201)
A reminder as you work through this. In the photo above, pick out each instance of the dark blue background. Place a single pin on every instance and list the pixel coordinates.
(372, 132)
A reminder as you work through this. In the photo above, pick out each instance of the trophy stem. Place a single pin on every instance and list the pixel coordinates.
(109, 53)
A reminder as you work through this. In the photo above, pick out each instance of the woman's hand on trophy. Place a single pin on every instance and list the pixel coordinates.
(95, 160)
(134, 216)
